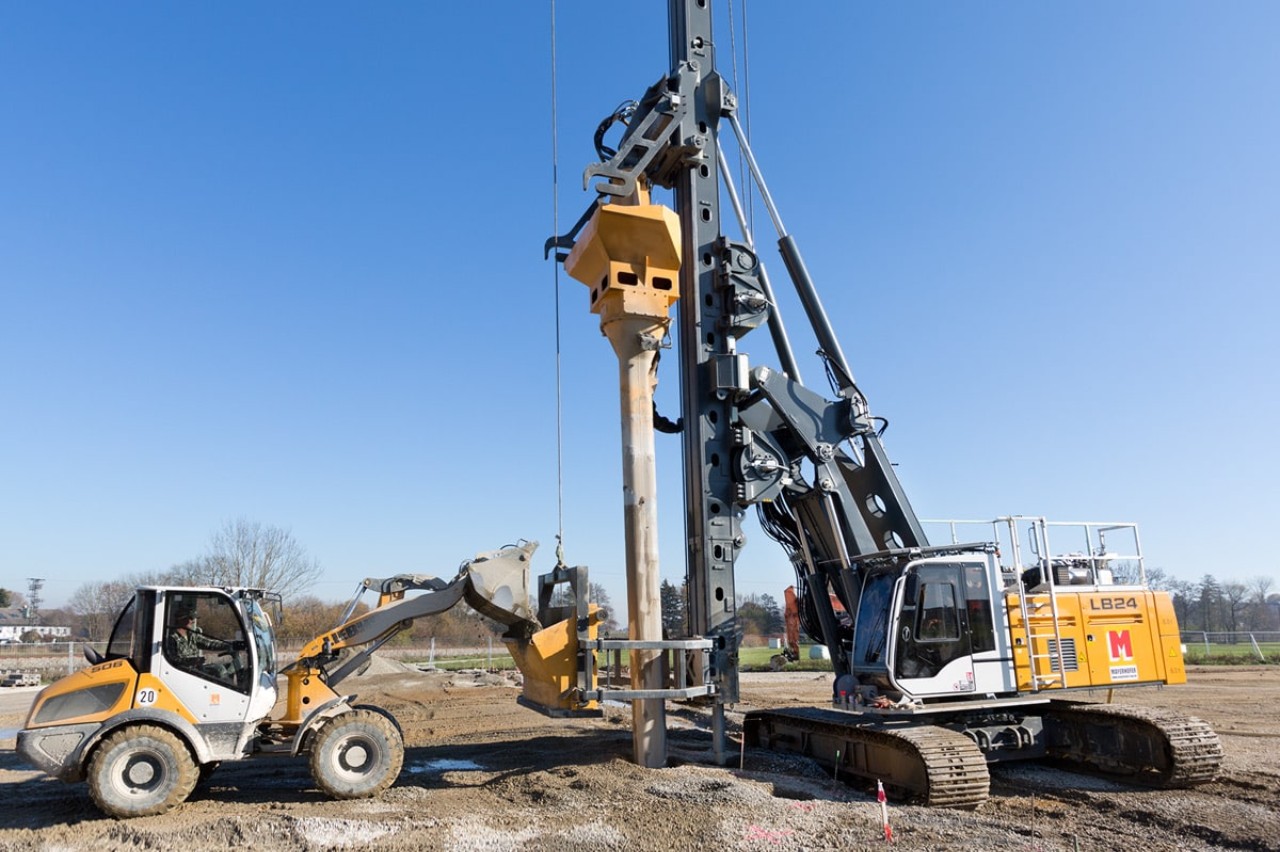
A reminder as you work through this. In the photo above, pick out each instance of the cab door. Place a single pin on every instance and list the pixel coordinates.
(933, 652)
(211, 679)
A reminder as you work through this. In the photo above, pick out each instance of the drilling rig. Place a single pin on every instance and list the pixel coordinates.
(951, 655)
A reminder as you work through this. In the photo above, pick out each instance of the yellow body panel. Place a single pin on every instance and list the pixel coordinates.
(103, 674)
(1109, 638)
(139, 691)
(154, 695)
(305, 691)
(549, 663)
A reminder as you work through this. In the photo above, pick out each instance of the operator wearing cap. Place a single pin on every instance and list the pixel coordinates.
(187, 641)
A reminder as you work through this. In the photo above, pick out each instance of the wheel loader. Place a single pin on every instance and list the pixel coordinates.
(190, 679)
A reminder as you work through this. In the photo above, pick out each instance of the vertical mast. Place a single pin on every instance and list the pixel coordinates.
(710, 374)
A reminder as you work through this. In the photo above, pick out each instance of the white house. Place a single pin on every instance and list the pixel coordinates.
(13, 623)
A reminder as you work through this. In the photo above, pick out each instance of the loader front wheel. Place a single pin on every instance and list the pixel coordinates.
(356, 755)
(142, 770)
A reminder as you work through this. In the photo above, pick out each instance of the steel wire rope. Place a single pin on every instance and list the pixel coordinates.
(555, 265)
(733, 53)
(746, 103)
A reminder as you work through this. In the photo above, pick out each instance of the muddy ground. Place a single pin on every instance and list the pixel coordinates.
(484, 773)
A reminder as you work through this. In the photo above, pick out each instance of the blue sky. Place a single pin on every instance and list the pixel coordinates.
(283, 261)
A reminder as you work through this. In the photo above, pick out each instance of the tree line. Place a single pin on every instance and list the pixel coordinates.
(758, 615)
(1215, 605)
(244, 553)
(251, 554)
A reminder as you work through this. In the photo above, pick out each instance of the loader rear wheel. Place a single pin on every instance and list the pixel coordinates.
(356, 755)
(142, 770)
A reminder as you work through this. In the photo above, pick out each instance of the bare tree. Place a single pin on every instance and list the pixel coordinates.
(596, 594)
(1260, 586)
(307, 617)
(1260, 613)
(1236, 596)
(193, 572)
(97, 603)
(248, 553)
(1183, 593)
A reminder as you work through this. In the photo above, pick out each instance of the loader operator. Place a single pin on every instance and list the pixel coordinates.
(187, 641)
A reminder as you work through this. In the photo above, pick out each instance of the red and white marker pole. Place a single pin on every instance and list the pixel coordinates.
(884, 812)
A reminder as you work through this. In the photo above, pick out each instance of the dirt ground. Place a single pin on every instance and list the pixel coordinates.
(483, 773)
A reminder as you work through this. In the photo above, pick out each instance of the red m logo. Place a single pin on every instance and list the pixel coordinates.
(1121, 645)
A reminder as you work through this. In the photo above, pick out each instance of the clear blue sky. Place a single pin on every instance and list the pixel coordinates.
(283, 261)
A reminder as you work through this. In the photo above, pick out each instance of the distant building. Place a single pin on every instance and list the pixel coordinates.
(13, 624)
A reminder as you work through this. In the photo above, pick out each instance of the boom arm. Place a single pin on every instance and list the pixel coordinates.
(495, 584)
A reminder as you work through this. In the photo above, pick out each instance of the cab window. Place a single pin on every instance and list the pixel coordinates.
(978, 604)
(203, 636)
(120, 645)
(936, 619)
(871, 634)
(932, 621)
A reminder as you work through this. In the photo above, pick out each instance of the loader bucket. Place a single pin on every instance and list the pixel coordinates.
(498, 587)
(549, 662)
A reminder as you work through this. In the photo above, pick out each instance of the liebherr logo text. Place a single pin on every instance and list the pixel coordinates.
(1113, 603)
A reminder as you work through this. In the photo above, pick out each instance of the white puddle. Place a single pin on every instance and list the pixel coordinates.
(437, 766)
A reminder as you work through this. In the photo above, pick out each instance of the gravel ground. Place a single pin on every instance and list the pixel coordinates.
(483, 773)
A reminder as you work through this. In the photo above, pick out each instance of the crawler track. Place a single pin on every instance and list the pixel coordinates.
(940, 767)
(1157, 748)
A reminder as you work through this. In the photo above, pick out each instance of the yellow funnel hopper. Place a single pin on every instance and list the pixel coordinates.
(549, 662)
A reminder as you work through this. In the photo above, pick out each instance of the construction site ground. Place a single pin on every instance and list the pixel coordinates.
(483, 773)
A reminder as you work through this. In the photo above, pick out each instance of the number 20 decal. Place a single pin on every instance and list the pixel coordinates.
(146, 696)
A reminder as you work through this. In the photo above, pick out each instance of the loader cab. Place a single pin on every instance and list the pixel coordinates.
(929, 626)
(212, 647)
(206, 636)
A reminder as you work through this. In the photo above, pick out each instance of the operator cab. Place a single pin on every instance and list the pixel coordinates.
(930, 624)
(222, 638)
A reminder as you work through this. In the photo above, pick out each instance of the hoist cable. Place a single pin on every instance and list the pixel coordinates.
(555, 229)
(733, 53)
(746, 105)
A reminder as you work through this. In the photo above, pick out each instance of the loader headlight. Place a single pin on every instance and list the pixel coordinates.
(82, 702)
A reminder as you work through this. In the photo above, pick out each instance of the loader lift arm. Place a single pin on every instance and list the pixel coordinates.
(494, 584)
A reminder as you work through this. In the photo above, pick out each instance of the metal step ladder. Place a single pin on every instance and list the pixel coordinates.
(1048, 667)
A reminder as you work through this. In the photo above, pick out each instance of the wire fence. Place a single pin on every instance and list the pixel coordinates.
(1239, 646)
(52, 660)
